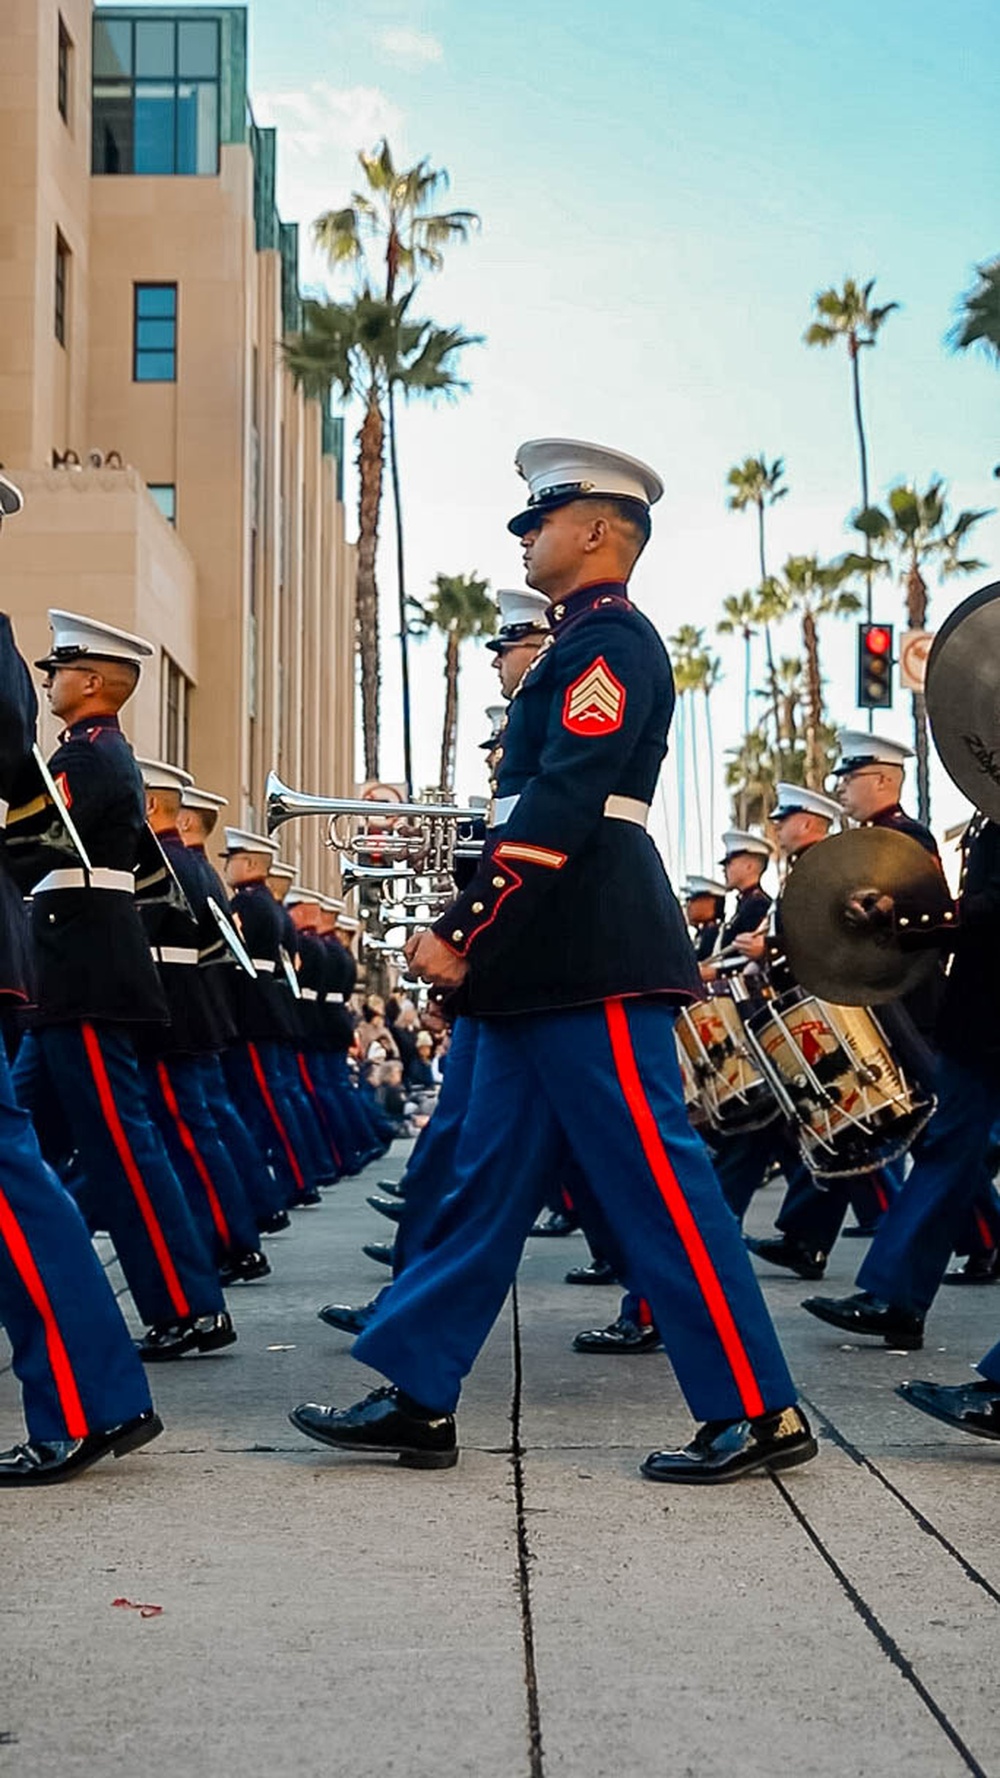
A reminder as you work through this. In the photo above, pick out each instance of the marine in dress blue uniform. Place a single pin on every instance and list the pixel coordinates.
(77, 1070)
(187, 944)
(199, 815)
(909, 1255)
(254, 1065)
(570, 948)
(83, 1387)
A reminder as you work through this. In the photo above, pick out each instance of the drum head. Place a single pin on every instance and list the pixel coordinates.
(963, 697)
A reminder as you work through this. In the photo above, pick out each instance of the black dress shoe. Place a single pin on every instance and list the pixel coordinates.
(598, 1272)
(794, 1256)
(555, 1222)
(979, 1268)
(307, 1200)
(165, 1341)
(212, 1332)
(860, 1231)
(276, 1224)
(387, 1207)
(346, 1319)
(622, 1336)
(325, 1180)
(387, 1420)
(244, 1268)
(865, 1314)
(380, 1251)
(55, 1460)
(722, 1450)
(395, 1188)
(972, 1407)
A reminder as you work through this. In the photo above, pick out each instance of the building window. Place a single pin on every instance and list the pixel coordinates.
(61, 288)
(175, 693)
(154, 356)
(156, 95)
(64, 86)
(165, 496)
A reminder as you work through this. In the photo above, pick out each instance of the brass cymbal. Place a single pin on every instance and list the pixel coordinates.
(963, 697)
(864, 966)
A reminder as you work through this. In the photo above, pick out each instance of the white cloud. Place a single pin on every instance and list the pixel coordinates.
(321, 129)
(413, 49)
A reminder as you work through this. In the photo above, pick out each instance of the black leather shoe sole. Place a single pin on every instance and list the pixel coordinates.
(590, 1275)
(901, 1339)
(695, 1474)
(936, 1410)
(345, 1320)
(118, 1442)
(599, 1341)
(408, 1456)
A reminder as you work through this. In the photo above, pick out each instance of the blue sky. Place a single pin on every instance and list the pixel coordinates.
(663, 189)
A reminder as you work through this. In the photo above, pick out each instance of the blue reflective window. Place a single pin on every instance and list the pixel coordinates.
(155, 128)
(154, 352)
(156, 96)
(165, 495)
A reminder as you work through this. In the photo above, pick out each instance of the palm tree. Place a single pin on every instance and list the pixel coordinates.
(461, 608)
(389, 235)
(850, 315)
(756, 482)
(709, 675)
(688, 660)
(364, 348)
(738, 619)
(978, 322)
(810, 590)
(750, 774)
(912, 531)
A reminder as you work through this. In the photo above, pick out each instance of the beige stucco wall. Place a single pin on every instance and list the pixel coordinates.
(93, 541)
(269, 649)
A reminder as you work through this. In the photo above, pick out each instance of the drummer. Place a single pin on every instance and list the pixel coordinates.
(704, 902)
(745, 857)
(808, 1220)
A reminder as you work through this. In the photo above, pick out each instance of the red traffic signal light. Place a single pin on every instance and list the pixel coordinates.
(875, 666)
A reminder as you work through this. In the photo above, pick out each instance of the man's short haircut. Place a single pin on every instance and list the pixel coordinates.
(629, 519)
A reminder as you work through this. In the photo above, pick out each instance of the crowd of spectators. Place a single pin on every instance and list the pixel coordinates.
(402, 1049)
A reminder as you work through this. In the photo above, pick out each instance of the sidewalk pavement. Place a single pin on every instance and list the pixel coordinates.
(537, 1612)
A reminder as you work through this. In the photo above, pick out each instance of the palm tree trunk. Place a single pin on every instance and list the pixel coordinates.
(746, 682)
(711, 766)
(448, 732)
(772, 683)
(814, 702)
(697, 780)
(404, 635)
(854, 354)
(681, 757)
(370, 464)
(916, 614)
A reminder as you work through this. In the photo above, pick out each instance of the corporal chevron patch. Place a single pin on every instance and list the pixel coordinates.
(594, 703)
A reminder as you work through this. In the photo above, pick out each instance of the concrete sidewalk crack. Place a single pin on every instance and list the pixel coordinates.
(536, 1766)
(926, 1525)
(886, 1642)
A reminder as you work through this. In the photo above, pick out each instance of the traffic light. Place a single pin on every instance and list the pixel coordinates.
(875, 666)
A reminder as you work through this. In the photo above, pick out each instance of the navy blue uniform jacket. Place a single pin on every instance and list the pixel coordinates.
(18, 714)
(91, 955)
(570, 906)
(968, 1027)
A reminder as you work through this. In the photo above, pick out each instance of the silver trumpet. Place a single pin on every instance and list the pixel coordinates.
(409, 847)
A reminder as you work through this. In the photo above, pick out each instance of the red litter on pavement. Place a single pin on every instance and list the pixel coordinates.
(143, 1610)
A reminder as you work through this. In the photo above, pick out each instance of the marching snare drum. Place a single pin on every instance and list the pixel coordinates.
(835, 1076)
(732, 1087)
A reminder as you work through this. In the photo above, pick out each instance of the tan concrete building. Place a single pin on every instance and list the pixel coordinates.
(175, 482)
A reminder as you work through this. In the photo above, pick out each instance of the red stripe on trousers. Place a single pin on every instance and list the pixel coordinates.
(645, 1313)
(272, 1112)
(62, 1371)
(116, 1131)
(881, 1195)
(307, 1082)
(672, 1193)
(186, 1135)
(985, 1233)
